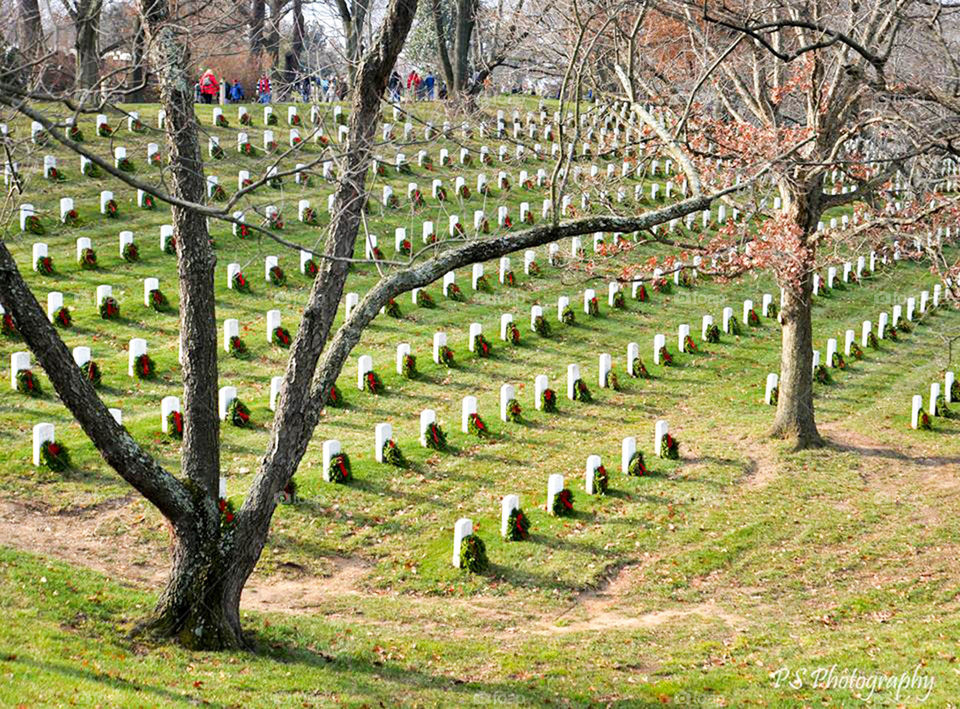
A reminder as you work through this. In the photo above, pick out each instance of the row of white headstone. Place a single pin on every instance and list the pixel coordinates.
(555, 485)
(917, 402)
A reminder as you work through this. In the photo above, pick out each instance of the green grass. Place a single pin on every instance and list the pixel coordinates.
(841, 555)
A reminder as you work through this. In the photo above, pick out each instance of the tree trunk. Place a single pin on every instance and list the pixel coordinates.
(795, 413)
(195, 607)
(257, 15)
(31, 29)
(297, 42)
(440, 28)
(271, 43)
(352, 13)
(463, 33)
(88, 56)
(138, 73)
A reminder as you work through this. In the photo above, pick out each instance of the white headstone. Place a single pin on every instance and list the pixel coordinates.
(916, 408)
(932, 402)
(468, 407)
(81, 355)
(364, 365)
(439, 341)
(505, 320)
(507, 506)
(18, 361)
(225, 397)
(54, 303)
(659, 341)
(475, 330)
(273, 322)
(275, 384)
(331, 449)
(383, 432)
(168, 405)
(628, 447)
(403, 349)
(554, 488)
(772, 382)
(593, 462)
(540, 385)
(605, 365)
(137, 347)
(42, 433)
(463, 528)
(427, 417)
(660, 430)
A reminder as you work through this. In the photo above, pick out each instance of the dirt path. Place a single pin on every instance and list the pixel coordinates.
(111, 538)
(610, 608)
(116, 540)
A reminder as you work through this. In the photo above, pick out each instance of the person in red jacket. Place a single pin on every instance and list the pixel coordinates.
(209, 87)
(263, 89)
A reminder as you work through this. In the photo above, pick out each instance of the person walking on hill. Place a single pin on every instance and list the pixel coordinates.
(413, 83)
(236, 92)
(394, 84)
(209, 86)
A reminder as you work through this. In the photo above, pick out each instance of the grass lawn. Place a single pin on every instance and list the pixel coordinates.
(708, 582)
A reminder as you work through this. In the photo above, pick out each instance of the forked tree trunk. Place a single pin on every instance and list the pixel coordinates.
(195, 607)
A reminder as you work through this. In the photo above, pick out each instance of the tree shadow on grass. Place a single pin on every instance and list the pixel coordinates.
(375, 679)
(880, 451)
(111, 680)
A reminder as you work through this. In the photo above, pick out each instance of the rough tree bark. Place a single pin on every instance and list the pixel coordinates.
(297, 43)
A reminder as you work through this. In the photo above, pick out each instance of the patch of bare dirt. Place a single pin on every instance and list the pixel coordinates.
(763, 466)
(611, 607)
(116, 540)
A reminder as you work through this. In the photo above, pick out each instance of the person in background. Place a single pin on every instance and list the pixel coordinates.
(236, 92)
(305, 89)
(209, 87)
(226, 87)
(197, 96)
(413, 83)
(395, 83)
(263, 89)
(428, 86)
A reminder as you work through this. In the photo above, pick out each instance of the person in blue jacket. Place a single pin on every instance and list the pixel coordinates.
(236, 92)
